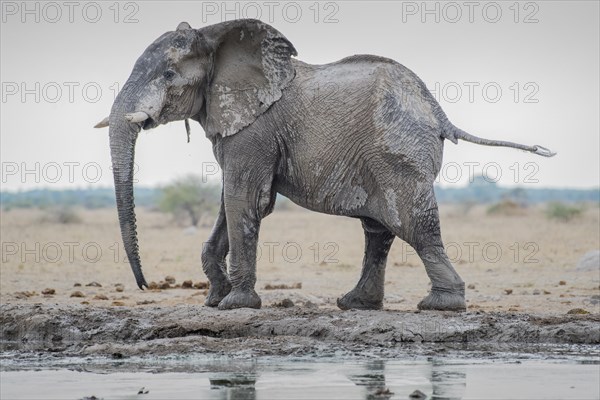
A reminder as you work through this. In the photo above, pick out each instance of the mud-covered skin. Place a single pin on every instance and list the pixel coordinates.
(361, 137)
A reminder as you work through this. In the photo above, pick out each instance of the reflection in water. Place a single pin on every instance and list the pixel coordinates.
(291, 378)
(447, 382)
(373, 380)
(237, 382)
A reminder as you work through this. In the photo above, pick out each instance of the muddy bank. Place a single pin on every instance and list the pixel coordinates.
(123, 331)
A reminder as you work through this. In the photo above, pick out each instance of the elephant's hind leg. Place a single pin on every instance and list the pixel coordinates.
(368, 293)
(447, 288)
(214, 265)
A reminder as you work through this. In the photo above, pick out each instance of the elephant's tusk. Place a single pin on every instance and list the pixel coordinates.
(136, 117)
(102, 124)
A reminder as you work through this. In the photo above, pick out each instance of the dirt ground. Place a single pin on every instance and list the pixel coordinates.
(517, 268)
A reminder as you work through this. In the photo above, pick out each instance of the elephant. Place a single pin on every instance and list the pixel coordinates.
(362, 137)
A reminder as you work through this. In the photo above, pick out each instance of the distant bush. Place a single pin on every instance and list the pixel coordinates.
(62, 215)
(562, 212)
(506, 207)
(190, 198)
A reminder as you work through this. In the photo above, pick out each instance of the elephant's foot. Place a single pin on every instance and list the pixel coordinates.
(444, 300)
(216, 293)
(357, 301)
(240, 299)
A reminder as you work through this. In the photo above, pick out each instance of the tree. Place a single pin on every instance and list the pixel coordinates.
(190, 197)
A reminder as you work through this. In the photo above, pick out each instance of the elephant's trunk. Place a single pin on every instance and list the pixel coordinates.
(123, 135)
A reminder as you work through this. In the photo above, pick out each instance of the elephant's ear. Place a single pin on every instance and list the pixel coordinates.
(251, 66)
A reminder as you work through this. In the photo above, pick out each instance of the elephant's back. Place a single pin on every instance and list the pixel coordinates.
(386, 105)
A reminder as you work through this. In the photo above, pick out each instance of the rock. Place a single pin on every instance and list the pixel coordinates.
(77, 293)
(119, 287)
(164, 285)
(170, 279)
(547, 292)
(417, 395)
(143, 391)
(589, 262)
(562, 283)
(24, 295)
(201, 285)
(471, 286)
(508, 291)
(187, 284)
(152, 285)
(578, 311)
(100, 297)
(94, 284)
(285, 303)
(77, 284)
(48, 291)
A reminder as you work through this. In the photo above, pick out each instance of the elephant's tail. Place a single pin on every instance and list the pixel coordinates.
(453, 134)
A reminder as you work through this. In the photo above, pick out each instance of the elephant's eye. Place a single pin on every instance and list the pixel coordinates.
(169, 74)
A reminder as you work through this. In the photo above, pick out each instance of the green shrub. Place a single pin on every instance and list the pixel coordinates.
(562, 211)
(190, 198)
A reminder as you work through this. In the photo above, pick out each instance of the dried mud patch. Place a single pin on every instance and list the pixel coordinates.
(128, 331)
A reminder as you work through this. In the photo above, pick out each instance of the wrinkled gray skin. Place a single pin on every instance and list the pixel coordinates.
(361, 137)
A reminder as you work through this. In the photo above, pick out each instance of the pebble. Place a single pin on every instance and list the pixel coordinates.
(48, 291)
(201, 285)
(508, 291)
(471, 286)
(417, 394)
(170, 279)
(187, 284)
(77, 293)
(164, 285)
(285, 303)
(578, 311)
(94, 284)
(24, 295)
(100, 297)
(562, 283)
(119, 287)
(536, 292)
(118, 303)
(153, 285)
(77, 284)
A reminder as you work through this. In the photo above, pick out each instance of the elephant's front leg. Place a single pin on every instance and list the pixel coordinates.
(368, 293)
(243, 208)
(214, 251)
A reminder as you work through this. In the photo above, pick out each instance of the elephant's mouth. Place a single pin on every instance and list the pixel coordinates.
(150, 123)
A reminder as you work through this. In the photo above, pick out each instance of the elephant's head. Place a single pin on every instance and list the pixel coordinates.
(223, 76)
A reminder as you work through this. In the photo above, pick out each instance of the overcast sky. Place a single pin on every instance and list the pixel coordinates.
(527, 73)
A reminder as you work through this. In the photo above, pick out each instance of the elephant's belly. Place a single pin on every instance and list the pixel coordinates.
(330, 194)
